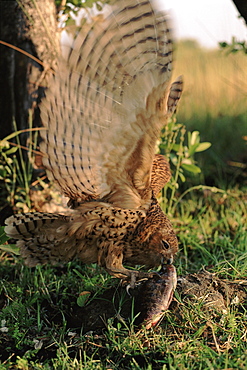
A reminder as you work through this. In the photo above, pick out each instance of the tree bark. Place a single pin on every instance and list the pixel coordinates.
(241, 5)
(32, 27)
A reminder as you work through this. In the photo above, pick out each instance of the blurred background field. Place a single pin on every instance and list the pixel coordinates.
(41, 320)
(214, 103)
(39, 326)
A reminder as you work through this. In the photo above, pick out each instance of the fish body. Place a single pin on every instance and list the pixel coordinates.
(155, 296)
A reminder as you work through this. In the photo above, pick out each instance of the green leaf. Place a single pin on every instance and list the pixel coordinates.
(70, 22)
(12, 248)
(194, 138)
(182, 177)
(176, 147)
(174, 160)
(3, 236)
(223, 44)
(12, 150)
(99, 6)
(4, 144)
(203, 146)
(83, 298)
(191, 168)
(193, 149)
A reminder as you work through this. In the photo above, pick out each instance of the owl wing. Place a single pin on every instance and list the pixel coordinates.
(106, 105)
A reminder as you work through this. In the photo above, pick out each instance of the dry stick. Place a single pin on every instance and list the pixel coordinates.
(25, 148)
(214, 336)
(28, 55)
(7, 138)
(22, 51)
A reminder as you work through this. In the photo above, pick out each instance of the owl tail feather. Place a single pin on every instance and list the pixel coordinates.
(42, 237)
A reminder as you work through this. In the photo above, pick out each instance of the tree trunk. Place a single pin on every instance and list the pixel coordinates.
(241, 5)
(32, 27)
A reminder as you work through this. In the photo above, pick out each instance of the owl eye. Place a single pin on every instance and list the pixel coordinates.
(165, 244)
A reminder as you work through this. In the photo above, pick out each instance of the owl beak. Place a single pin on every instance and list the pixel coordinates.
(167, 261)
(170, 260)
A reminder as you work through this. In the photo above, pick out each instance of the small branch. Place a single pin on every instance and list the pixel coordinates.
(22, 51)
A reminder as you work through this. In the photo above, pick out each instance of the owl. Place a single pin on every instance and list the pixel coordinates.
(103, 113)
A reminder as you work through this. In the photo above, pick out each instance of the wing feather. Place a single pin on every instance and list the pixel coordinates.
(106, 106)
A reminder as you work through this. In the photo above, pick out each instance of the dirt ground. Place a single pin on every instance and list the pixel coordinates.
(214, 294)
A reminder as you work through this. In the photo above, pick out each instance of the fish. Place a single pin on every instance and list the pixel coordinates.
(155, 296)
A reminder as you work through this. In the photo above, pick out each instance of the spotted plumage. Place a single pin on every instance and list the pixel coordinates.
(103, 112)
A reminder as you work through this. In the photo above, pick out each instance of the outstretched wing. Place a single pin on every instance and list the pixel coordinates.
(106, 106)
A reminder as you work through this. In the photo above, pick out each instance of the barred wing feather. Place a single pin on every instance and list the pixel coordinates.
(107, 104)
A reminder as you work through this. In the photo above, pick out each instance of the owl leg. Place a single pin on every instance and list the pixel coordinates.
(111, 258)
(113, 261)
(129, 277)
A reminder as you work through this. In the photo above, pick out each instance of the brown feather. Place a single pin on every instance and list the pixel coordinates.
(103, 112)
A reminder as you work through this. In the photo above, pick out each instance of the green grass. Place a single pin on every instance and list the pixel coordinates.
(36, 304)
(212, 232)
(224, 164)
(214, 103)
(214, 82)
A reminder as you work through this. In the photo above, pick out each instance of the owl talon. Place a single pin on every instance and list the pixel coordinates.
(134, 278)
(133, 282)
(130, 280)
(128, 287)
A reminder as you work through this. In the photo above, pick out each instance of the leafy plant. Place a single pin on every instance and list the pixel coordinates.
(70, 9)
(235, 46)
(181, 157)
(15, 170)
(7, 247)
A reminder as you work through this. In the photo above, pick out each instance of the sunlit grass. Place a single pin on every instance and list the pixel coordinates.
(212, 229)
(212, 232)
(214, 102)
(215, 82)
(211, 226)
